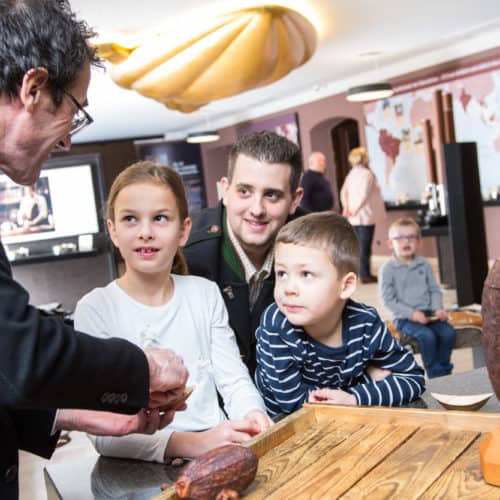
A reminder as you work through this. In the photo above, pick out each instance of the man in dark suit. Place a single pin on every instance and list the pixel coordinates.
(44, 364)
(232, 244)
(318, 195)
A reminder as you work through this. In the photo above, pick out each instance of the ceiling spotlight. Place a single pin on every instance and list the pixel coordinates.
(370, 92)
(206, 136)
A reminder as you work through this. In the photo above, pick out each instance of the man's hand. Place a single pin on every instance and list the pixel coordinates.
(441, 314)
(419, 317)
(332, 396)
(103, 423)
(167, 375)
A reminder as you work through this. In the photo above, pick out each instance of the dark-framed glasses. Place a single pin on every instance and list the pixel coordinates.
(409, 237)
(81, 118)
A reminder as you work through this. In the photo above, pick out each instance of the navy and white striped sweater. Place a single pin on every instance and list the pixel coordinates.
(290, 364)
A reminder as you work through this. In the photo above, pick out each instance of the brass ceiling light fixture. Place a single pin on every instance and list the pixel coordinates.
(370, 91)
(240, 51)
(203, 137)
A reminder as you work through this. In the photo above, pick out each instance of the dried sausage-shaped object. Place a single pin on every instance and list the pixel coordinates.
(490, 309)
(219, 471)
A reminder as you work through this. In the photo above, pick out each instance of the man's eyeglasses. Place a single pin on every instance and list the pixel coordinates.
(81, 118)
(409, 237)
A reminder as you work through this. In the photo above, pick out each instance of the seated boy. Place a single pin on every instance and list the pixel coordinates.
(315, 343)
(410, 291)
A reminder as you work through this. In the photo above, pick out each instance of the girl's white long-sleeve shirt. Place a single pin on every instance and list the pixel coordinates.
(194, 323)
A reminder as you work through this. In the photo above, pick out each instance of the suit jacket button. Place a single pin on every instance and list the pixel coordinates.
(124, 397)
(105, 398)
(11, 474)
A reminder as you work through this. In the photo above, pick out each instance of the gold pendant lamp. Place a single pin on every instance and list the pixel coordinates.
(237, 52)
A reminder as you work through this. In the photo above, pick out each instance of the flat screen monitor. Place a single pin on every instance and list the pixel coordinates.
(64, 202)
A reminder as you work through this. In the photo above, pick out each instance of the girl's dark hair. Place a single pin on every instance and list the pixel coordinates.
(154, 173)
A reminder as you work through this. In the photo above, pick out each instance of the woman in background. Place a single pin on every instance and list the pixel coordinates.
(362, 204)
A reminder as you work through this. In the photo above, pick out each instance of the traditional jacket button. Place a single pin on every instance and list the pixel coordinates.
(11, 474)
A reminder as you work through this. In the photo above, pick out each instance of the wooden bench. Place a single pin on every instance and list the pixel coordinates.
(468, 329)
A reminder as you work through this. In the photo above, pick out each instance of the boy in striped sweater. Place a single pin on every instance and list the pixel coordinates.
(315, 343)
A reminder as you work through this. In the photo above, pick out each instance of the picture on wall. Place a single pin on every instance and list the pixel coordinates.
(285, 125)
(185, 159)
(25, 210)
(394, 131)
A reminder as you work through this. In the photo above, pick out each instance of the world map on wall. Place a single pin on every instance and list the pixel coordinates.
(394, 131)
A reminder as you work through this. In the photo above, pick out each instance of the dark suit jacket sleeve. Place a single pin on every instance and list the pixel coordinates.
(34, 431)
(46, 364)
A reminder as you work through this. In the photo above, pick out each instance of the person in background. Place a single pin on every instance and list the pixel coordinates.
(232, 244)
(33, 209)
(315, 343)
(45, 364)
(362, 204)
(155, 305)
(410, 291)
(318, 194)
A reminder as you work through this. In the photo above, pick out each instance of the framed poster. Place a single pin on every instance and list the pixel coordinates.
(185, 158)
(285, 125)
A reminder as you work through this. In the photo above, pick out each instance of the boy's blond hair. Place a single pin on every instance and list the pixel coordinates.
(328, 231)
(403, 222)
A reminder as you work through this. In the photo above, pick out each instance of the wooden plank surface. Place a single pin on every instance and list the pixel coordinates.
(288, 461)
(341, 467)
(463, 479)
(414, 466)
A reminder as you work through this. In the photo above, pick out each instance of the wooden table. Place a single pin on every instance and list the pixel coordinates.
(325, 451)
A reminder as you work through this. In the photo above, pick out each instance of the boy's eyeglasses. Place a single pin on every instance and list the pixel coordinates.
(81, 118)
(409, 237)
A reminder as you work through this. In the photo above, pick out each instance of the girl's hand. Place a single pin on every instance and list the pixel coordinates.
(260, 419)
(228, 432)
(419, 317)
(441, 314)
(332, 396)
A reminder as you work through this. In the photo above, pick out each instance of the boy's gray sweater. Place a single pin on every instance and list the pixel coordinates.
(409, 287)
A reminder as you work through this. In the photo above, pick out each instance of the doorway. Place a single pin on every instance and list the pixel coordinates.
(345, 136)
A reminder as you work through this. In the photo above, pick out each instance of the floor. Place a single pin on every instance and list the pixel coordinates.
(31, 468)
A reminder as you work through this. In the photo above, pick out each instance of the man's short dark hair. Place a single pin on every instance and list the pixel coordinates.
(268, 147)
(42, 33)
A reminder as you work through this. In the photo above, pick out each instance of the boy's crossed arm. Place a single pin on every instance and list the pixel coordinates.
(392, 376)
(338, 396)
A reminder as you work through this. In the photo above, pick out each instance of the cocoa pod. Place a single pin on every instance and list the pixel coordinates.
(490, 309)
(229, 467)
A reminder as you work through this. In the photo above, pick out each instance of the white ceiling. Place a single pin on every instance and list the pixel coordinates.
(409, 34)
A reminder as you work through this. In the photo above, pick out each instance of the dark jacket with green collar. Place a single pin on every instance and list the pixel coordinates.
(210, 254)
